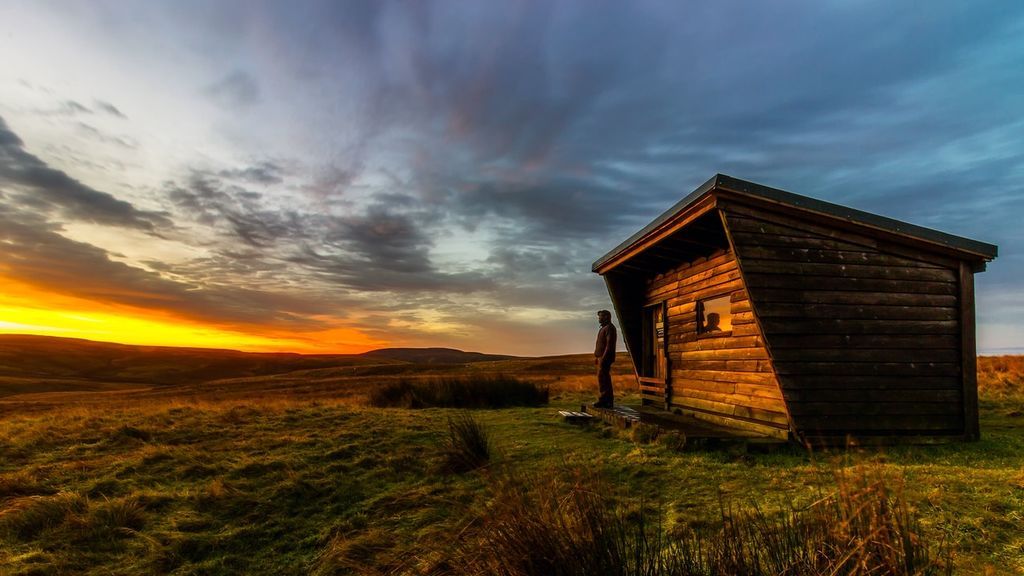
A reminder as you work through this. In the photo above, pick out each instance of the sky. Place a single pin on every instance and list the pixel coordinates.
(341, 176)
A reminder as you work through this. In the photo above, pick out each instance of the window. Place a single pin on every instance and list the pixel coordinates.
(714, 316)
(654, 365)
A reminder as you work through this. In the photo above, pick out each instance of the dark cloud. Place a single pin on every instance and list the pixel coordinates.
(236, 89)
(358, 274)
(385, 240)
(264, 173)
(46, 188)
(71, 108)
(75, 108)
(109, 109)
(383, 247)
(101, 136)
(67, 107)
(38, 254)
(554, 209)
(332, 181)
(207, 199)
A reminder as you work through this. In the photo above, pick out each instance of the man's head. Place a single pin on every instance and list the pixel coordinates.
(604, 317)
(712, 323)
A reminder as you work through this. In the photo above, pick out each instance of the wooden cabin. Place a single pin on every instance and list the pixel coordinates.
(795, 318)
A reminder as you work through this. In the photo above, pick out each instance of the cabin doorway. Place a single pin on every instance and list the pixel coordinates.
(654, 371)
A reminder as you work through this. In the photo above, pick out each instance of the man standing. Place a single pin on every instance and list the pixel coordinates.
(604, 355)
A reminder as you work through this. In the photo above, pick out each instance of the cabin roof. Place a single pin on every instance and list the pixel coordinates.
(969, 249)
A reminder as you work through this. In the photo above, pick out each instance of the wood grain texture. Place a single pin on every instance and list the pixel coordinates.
(803, 224)
(864, 334)
(726, 378)
(969, 354)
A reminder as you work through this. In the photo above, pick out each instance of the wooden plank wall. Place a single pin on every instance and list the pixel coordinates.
(725, 379)
(864, 335)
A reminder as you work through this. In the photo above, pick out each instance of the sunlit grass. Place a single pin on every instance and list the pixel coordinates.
(286, 483)
(1001, 377)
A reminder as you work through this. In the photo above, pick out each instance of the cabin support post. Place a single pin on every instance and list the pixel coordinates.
(969, 358)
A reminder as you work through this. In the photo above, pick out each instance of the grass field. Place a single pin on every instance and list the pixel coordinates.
(295, 474)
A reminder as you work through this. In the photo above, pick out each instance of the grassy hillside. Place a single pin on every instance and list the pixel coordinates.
(433, 355)
(46, 357)
(294, 474)
(30, 364)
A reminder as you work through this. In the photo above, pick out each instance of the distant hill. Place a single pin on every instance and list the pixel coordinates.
(49, 357)
(434, 355)
(44, 362)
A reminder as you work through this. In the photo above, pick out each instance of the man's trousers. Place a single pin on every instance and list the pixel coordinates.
(604, 384)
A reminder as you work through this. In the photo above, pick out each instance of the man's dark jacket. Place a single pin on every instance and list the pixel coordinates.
(605, 349)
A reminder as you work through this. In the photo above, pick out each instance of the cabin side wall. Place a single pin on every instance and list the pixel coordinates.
(627, 293)
(723, 379)
(865, 336)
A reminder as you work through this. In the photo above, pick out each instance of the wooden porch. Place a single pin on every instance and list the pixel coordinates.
(699, 434)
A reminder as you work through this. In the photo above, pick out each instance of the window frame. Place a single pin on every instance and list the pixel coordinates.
(701, 333)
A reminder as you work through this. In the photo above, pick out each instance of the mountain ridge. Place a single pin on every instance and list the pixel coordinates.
(54, 357)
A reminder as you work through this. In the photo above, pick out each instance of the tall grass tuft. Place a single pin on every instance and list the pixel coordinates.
(555, 527)
(115, 518)
(365, 554)
(1001, 377)
(468, 445)
(72, 517)
(459, 392)
(28, 516)
(22, 483)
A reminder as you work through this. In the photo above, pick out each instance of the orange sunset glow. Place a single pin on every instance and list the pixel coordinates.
(26, 310)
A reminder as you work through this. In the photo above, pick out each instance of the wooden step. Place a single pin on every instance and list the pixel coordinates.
(618, 415)
(575, 417)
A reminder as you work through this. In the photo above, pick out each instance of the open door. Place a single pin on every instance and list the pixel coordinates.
(654, 373)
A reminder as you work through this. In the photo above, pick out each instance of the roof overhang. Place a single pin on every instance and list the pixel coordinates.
(704, 198)
(682, 213)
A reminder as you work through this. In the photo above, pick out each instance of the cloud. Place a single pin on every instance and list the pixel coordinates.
(35, 252)
(213, 202)
(331, 181)
(384, 246)
(36, 184)
(265, 173)
(109, 109)
(70, 107)
(385, 240)
(382, 249)
(101, 136)
(236, 89)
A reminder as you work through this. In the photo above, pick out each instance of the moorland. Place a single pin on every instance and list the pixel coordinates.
(124, 460)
